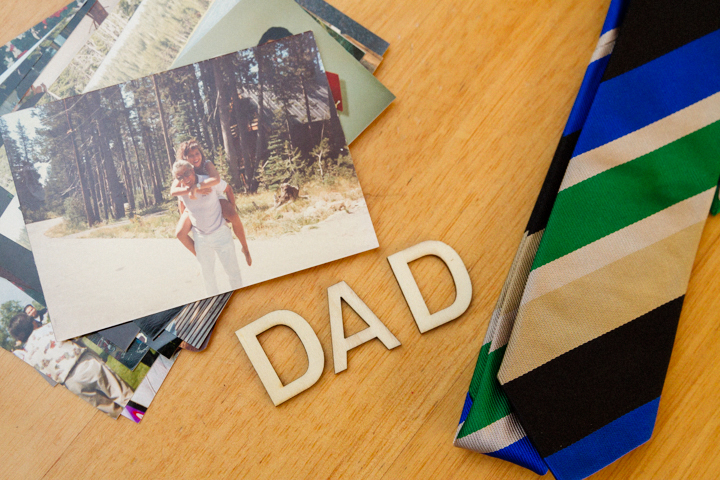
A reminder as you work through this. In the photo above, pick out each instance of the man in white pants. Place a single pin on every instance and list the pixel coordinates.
(212, 237)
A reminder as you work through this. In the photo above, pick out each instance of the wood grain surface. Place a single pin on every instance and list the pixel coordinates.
(484, 89)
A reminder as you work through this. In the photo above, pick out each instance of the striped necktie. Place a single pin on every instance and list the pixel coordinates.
(587, 357)
(487, 424)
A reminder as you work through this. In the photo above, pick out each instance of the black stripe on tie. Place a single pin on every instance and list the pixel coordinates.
(653, 28)
(588, 387)
(548, 193)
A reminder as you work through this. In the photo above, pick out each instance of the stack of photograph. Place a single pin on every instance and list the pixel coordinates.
(152, 164)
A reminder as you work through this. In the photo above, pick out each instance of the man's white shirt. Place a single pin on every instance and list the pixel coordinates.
(204, 211)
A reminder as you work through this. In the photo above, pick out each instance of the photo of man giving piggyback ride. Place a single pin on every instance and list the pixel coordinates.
(201, 194)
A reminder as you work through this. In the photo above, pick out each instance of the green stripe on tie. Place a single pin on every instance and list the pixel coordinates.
(489, 403)
(630, 192)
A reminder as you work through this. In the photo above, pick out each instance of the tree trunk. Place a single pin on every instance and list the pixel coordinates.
(336, 135)
(300, 55)
(168, 143)
(231, 150)
(126, 174)
(152, 167)
(157, 148)
(101, 187)
(307, 104)
(208, 134)
(260, 140)
(319, 158)
(141, 179)
(87, 164)
(140, 176)
(106, 189)
(83, 181)
(244, 118)
(110, 173)
(93, 189)
(200, 112)
(143, 182)
(215, 123)
(158, 173)
(194, 115)
(211, 97)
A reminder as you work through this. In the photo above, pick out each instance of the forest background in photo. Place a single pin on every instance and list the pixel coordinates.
(264, 116)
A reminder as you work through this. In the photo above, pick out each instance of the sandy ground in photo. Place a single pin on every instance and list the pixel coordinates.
(93, 283)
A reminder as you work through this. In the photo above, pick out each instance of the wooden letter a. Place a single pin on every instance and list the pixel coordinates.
(376, 329)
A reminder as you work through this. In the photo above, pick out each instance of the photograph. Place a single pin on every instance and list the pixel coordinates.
(153, 325)
(195, 322)
(121, 336)
(360, 42)
(80, 365)
(125, 40)
(363, 96)
(145, 393)
(22, 304)
(15, 49)
(16, 258)
(91, 14)
(182, 185)
(129, 358)
(12, 82)
(192, 322)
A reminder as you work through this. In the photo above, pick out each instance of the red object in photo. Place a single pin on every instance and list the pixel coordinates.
(97, 13)
(334, 82)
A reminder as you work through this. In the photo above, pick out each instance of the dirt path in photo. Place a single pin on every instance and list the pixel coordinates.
(92, 283)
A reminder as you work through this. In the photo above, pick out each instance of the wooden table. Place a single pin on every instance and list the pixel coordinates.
(484, 89)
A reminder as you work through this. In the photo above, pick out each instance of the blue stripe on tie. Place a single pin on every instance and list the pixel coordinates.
(604, 446)
(615, 15)
(466, 407)
(653, 91)
(594, 72)
(522, 453)
(586, 95)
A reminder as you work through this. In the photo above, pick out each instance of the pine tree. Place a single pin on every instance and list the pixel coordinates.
(161, 114)
(21, 155)
(319, 152)
(108, 164)
(84, 188)
(224, 99)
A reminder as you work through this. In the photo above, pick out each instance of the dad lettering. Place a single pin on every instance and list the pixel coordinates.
(341, 344)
